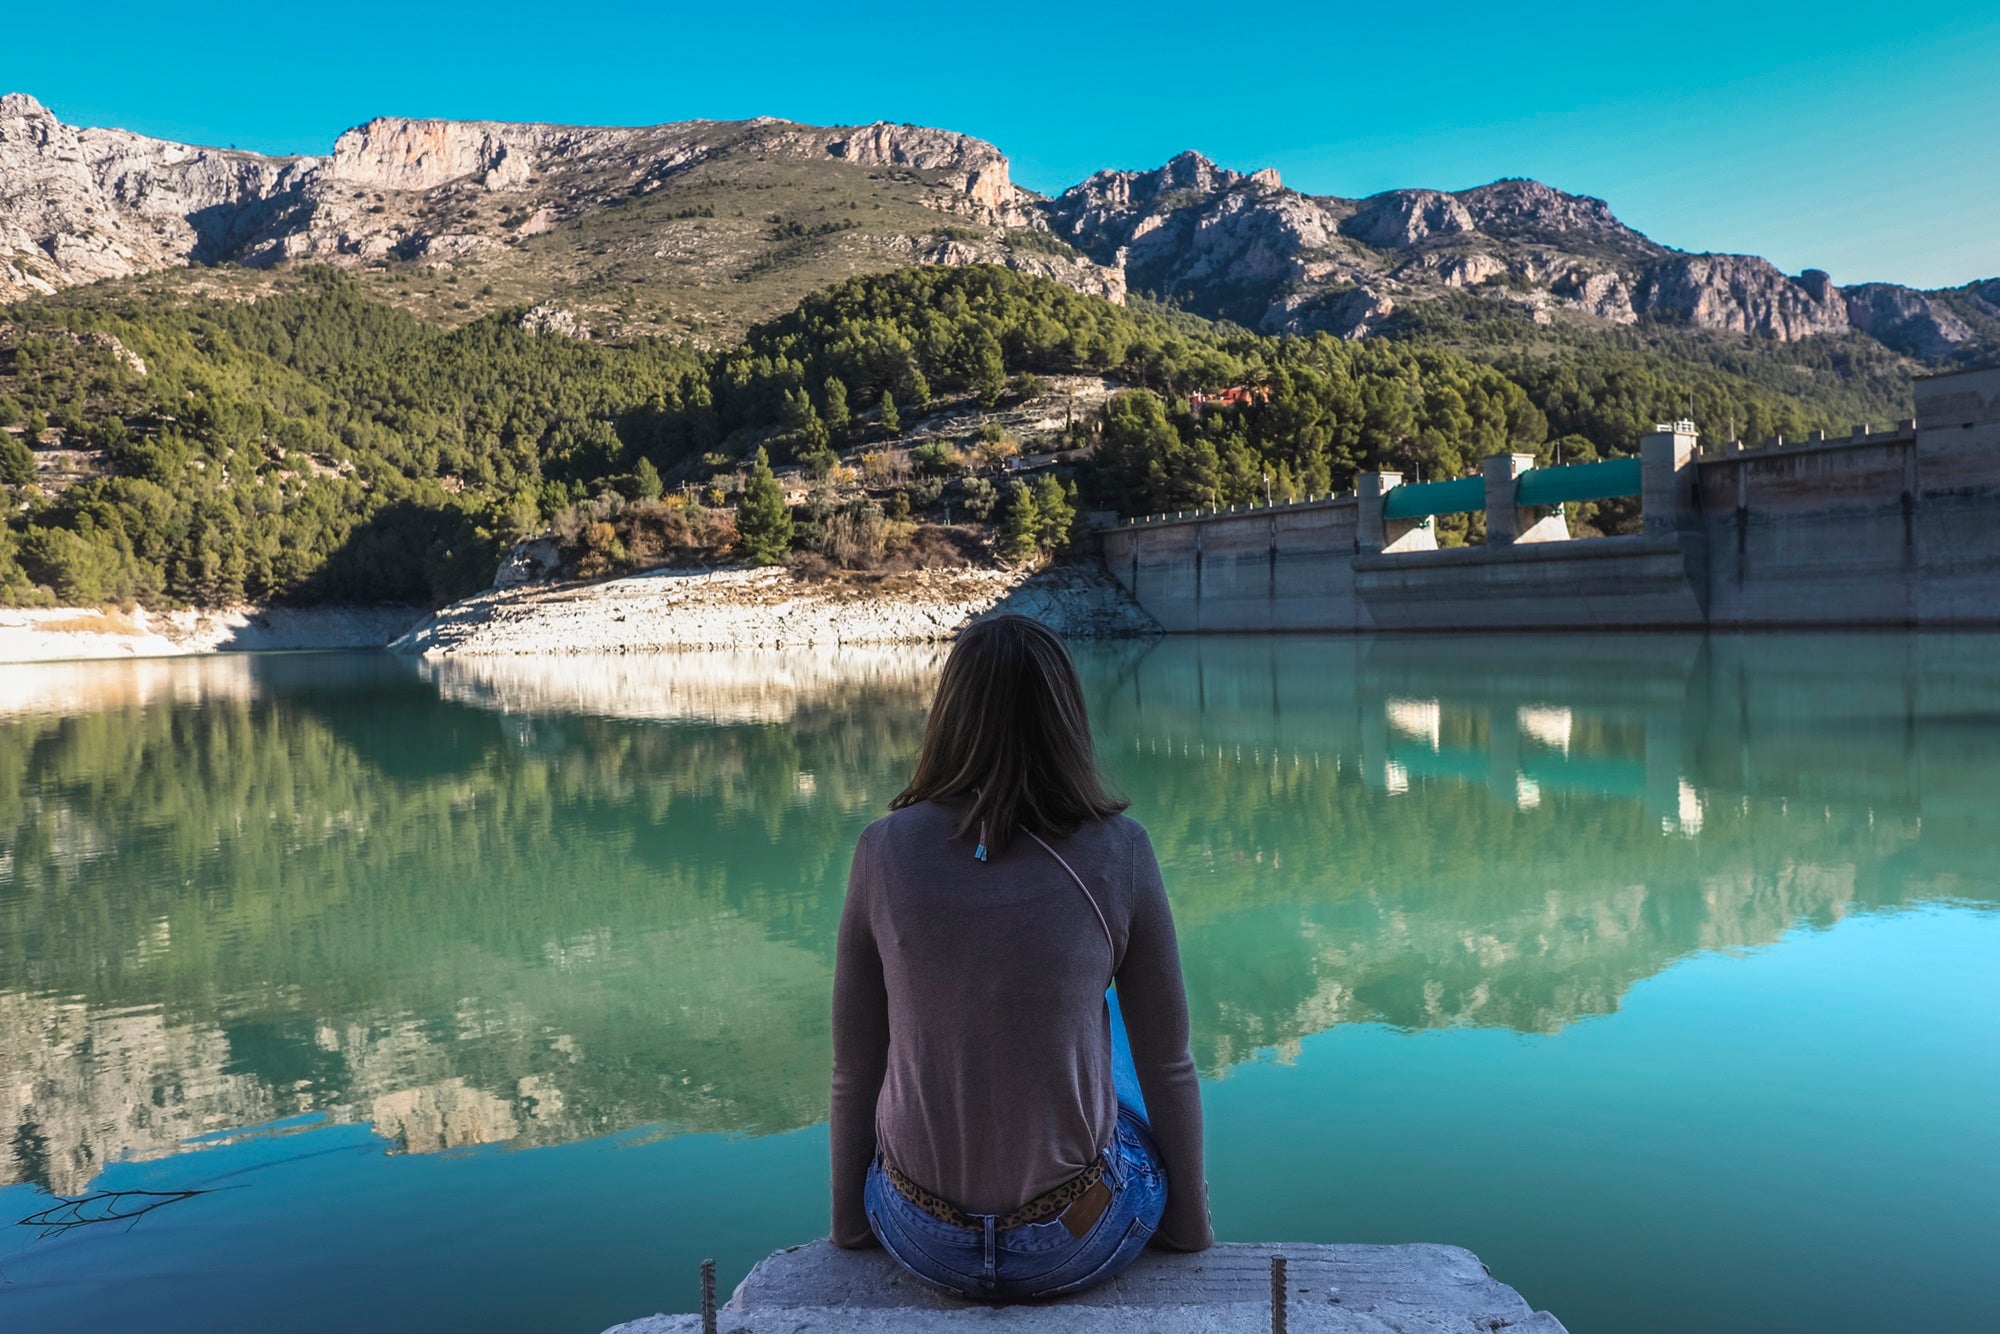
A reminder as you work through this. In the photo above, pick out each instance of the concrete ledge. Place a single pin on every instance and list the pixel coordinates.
(1764, 453)
(1531, 553)
(1424, 1289)
(1210, 515)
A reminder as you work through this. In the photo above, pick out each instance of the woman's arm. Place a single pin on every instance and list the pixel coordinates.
(1154, 1002)
(860, 1055)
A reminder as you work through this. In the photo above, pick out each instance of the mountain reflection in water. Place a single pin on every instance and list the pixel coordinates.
(538, 900)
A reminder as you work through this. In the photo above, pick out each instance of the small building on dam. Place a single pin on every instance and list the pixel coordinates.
(1899, 527)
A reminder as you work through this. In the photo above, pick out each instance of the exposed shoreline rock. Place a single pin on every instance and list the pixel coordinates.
(63, 634)
(666, 611)
(662, 611)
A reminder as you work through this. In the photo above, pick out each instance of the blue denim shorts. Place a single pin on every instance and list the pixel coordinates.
(986, 1262)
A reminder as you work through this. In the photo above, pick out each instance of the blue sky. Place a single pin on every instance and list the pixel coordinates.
(1854, 137)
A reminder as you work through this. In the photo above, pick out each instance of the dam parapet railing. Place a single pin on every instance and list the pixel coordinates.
(1896, 527)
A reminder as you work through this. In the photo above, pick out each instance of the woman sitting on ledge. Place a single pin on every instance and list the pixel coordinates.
(994, 1127)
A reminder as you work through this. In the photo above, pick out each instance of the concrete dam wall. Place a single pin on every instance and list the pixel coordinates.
(1885, 528)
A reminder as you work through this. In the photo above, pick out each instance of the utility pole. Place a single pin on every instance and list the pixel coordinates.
(1267, 488)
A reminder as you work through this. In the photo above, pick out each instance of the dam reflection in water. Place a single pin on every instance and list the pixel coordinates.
(538, 903)
(1512, 832)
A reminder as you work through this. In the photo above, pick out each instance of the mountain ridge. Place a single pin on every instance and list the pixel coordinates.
(1193, 231)
(533, 210)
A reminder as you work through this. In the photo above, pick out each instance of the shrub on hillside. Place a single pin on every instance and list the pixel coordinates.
(907, 547)
(923, 492)
(939, 458)
(602, 551)
(886, 467)
(609, 536)
(857, 535)
(978, 496)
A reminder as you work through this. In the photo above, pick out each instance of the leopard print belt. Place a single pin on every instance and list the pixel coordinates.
(1046, 1205)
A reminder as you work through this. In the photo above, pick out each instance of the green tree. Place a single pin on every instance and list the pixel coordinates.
(892, 421)
(837, 415)
(79, 571)
(514, 517)
(814, 439)
(17, 461)
(819, 462)
(1155, 466)
(1023, 538)
(989, 371)
(1055, 513)
(763, 524)
(798, 411)
(15, 586)
(650, 485)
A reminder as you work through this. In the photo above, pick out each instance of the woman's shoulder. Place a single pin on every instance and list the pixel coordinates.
(1108, 839)
(923, 820)
(1126, 825)
(925, 823)
(1126, 830)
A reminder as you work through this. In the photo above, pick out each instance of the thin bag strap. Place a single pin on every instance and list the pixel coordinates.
(1090, 897)
(979, 854)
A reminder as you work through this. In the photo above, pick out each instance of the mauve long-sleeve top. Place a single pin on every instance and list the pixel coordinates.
(971, 1041)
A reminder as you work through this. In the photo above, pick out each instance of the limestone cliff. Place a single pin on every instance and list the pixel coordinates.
(988, 188)
(78, 205)
(1910, 321)
(1741, 293)
(1224, 243)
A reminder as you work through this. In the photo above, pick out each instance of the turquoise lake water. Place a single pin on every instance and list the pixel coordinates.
(1663, 972)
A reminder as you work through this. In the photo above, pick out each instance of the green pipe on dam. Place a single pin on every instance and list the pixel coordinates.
(1539, 486)
(1578, 481)
(1465, 495)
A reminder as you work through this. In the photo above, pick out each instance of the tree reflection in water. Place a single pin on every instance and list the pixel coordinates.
(532, 901)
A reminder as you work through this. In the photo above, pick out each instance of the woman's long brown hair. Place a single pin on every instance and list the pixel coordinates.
(1008, 729)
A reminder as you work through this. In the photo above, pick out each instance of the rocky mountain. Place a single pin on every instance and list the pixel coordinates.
(1246, 247)
(701, 227)
(691, 227)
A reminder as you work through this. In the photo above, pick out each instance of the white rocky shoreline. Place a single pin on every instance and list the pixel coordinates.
(661, 611)
(672, 610)
(67, 634)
